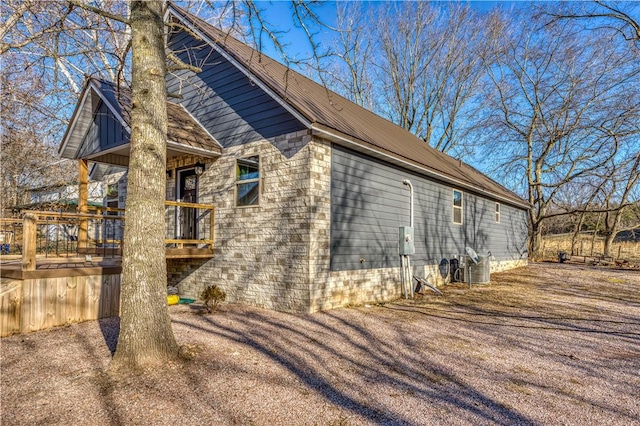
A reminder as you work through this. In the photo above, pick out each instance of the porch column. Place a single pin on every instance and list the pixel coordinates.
(83, 196)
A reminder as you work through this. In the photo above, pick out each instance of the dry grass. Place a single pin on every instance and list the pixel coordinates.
(545, 344)
(587, 246)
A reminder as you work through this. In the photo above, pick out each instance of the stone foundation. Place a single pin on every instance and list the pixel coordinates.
(357, 287)
(179, 269)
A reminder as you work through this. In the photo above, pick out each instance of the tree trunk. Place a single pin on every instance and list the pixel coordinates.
(611, 231)
(146, 338)
(595, 233)
(608, 243)
(535, 243)
(576, 234)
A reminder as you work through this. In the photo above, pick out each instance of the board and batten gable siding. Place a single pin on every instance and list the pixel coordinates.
(104, 133)
(232, 108)
(369, 203)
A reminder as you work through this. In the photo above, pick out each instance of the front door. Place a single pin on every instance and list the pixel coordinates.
(187, 193)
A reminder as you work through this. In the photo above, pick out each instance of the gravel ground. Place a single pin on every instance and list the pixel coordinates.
(545, 344)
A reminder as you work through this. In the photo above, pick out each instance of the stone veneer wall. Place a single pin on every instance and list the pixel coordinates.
(261, 252)
(277, 255)
(179, 269)
(377, 285)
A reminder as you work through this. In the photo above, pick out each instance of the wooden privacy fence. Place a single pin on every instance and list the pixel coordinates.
(37, 304)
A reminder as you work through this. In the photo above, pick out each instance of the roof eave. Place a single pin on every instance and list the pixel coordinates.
(86, 92)
(378, 152)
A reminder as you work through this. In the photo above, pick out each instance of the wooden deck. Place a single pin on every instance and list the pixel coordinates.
(57, 267)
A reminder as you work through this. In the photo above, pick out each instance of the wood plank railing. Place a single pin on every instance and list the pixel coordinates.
(179, 242)
(31, 233)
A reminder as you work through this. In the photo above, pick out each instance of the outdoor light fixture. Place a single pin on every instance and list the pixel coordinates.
(199, 167)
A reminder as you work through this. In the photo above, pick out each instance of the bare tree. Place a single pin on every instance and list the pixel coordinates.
(26, 147)
(349, 70)
(621, 17)
(555, 100)
(416, 64)
(619, 197)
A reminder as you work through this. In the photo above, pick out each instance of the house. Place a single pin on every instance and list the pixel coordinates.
(307, 186)
(61, 196)
(102, 195)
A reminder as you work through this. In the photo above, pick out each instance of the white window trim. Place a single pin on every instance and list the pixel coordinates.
(241, 182)
(454, 207)
(497, 212)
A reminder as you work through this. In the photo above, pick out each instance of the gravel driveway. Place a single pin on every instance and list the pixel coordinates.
(545, 344)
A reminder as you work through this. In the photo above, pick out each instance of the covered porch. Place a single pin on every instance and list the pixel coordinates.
(98, 139)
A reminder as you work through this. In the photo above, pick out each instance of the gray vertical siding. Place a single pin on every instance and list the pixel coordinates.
(225, 101)
(369, 203)
(105, 132)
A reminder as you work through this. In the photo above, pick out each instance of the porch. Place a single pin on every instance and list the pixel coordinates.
(42, 244)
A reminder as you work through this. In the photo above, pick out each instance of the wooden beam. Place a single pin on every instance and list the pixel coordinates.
(29, 232)
(83, 201)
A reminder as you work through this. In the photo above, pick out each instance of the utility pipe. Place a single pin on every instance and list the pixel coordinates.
(406, 262)
(408, 182)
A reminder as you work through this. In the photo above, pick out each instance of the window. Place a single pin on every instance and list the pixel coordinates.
(112, 204)
(457, 206)
(112, 190)
(248, 181)
(497, 212)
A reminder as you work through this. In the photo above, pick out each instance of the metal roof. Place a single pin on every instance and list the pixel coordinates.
(342, 121)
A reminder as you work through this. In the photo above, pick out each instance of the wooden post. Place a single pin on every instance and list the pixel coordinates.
(29, 232)
(83, 196)
(212, 222)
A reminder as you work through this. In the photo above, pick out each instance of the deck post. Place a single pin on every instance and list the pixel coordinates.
(212, 222)
(29, 232)
(83, 196)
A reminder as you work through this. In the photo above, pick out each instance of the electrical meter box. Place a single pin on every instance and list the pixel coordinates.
(406, 245)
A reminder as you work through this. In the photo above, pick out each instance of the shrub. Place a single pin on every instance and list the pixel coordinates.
(212, 296)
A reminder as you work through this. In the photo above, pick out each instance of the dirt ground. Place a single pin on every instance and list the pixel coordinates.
(544, 344)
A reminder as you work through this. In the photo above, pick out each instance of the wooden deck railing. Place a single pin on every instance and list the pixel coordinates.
(62, 234)
(180, 242)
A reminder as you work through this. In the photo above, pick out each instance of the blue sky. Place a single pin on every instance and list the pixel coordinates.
(278, 14)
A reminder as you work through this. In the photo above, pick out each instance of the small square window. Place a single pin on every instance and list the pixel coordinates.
(457, 207)
(248, 181)
(497, 212)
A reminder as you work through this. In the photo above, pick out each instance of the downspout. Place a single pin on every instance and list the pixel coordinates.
(406, 264)
(408, 182)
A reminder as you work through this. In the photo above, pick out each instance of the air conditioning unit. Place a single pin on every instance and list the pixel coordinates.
(477, 273)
